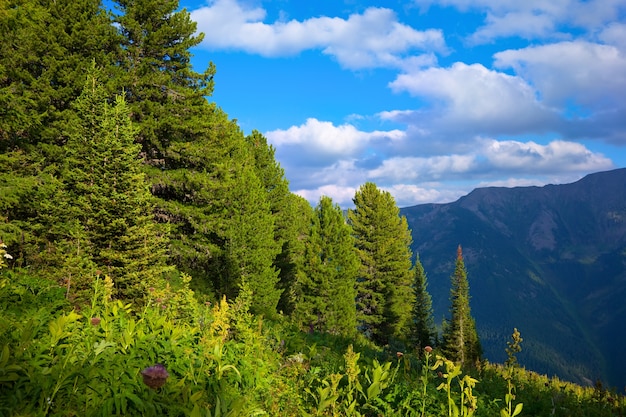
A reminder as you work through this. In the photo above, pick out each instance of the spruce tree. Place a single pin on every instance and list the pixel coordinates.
(383, 239)
(47, 47)
(326, 282)
(423, 331)
(106, 196)
(289, 215)
(251, 246)
(460, 339)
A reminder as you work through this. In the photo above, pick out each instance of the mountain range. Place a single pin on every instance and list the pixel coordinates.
(549, 261)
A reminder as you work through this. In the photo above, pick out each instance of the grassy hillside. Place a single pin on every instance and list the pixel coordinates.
(175, 356)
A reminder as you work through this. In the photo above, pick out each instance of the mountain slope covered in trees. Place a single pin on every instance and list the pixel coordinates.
(154, 262)
(549, 260)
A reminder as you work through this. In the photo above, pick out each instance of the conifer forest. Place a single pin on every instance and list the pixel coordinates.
(153, 261)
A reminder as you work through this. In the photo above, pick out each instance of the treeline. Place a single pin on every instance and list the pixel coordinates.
(113, 161)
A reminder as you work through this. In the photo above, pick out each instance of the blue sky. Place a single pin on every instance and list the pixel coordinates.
(428, 99)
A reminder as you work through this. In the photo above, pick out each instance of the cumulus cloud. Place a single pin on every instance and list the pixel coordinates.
(591, 74)
(321, 140)
(374, 38)
(529, 157)
(417, 178)
(473, 99)
(614, 34)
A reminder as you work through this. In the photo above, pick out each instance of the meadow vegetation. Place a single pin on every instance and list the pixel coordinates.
(218, 359)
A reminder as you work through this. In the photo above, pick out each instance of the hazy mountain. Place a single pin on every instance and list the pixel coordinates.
(549, 260)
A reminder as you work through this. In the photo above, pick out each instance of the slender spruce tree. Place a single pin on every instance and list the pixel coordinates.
(289, 215)
(326, 283)
(460, 339)
(106, 197)
(423, 332)
(383, 239)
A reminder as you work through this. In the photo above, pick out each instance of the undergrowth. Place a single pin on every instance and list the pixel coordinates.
(176, 357)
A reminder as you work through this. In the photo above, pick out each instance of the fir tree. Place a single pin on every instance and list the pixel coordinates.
(424, 332)
(460, 339)
(106, 195)
(326, 283)
(383, 242)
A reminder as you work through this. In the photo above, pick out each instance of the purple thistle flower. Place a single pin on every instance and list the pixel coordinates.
(155, 376)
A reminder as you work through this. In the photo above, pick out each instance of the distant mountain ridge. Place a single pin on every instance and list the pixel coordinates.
(548, 260)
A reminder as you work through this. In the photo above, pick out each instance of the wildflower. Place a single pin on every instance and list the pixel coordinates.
(95, 321)
(428, 349)
(155, 376)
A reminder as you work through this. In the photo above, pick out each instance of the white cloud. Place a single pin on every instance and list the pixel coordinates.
(340, 195)
(590, 74)
(473, 99)
(614, 34)
(320, 140)
(374, 38)
(526, 24)
(421, 169)
(535, 19)
(529, 157)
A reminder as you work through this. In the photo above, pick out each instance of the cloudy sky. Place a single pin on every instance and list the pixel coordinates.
(428, 99)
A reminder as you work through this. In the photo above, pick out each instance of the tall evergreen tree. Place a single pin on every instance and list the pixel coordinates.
(106, 196)
(423, 332)
(326, 283)
(383, 240)
(47, 46)
(290, 215)
(460, 339)
(251, 246)
(167, 98)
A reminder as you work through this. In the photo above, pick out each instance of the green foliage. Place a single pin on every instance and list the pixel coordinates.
(325, 287)
(460, 339)
(383, 241)
(423, 331)
(103, 215)
(222, 360)
(513, 348)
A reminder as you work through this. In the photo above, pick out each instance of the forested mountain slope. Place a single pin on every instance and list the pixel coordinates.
(549, 260)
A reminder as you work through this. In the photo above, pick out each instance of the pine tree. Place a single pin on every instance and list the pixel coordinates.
(460, 339)
(167, 98)
(49, 45)
(383, 242)
(424, 332)
(326, 282)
